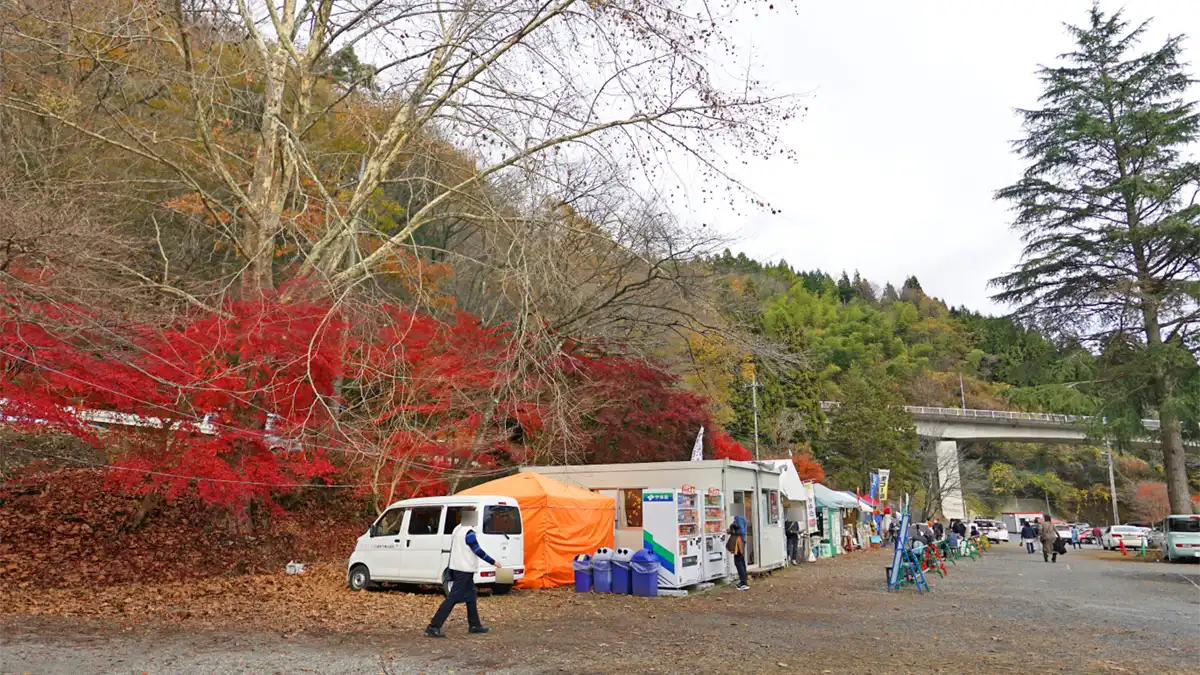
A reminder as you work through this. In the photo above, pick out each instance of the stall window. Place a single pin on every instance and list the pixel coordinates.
(771, 497)
(424, 520)
(631, 506)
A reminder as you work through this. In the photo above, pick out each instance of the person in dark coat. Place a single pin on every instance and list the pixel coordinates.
(1028, 536)
(1048, 537)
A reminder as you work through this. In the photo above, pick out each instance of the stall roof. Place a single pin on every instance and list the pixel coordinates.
(789, 481)
(833, 499)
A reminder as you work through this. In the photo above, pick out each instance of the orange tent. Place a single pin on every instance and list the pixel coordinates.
(559, 521)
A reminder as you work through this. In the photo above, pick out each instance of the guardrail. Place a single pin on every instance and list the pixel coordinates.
(974, 414)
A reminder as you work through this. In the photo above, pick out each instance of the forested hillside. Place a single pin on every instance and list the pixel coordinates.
(858, 338)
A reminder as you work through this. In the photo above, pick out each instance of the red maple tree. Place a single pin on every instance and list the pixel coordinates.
(808, 468)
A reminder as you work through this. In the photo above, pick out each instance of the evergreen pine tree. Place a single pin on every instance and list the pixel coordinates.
(1108, 212)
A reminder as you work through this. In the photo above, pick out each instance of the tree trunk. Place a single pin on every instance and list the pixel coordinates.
(1170, 435)
(1174, 465)
(149, 504)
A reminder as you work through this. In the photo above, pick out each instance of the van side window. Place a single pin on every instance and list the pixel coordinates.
(424, 520)
(389, 524)
(452, 516)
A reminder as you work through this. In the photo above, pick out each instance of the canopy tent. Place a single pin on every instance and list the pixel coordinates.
(832, 499)
(790, 484)
(559, 521)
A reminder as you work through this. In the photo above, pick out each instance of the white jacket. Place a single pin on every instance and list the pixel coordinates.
(462, 558)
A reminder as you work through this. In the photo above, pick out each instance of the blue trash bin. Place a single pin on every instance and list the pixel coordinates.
(602, 570)
(644, 567)
(621, 578)
(583, 573)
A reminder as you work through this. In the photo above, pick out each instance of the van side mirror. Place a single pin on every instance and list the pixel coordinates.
(371, 530)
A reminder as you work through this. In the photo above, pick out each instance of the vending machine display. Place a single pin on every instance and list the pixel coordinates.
(671, 527)
(714, 535)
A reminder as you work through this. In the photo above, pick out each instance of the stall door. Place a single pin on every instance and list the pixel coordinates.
(743, 505)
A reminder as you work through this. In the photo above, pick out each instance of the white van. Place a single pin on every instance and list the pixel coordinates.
(410, 542)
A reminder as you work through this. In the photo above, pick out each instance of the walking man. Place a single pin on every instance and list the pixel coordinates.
(465, 554)
(1048, 535)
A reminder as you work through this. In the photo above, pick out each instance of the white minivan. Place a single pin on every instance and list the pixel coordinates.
(410, 542)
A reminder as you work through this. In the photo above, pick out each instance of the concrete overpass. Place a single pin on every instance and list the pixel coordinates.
(948, 427)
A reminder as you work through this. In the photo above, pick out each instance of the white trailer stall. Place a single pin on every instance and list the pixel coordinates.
(751, 490)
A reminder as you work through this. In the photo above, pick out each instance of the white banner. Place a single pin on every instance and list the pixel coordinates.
(698, 448)
(811, 501)
(883, 483)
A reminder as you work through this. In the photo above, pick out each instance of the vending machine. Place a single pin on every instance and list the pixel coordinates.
(671, 527)
(714, 535)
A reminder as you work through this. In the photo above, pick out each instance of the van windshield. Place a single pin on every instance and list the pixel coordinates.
(501, 520)
(1188, 525)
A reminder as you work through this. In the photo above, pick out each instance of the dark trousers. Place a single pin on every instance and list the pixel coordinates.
(1048, 551)
(793, 548)
(739, 561)
(1029, 547)
(462, 589)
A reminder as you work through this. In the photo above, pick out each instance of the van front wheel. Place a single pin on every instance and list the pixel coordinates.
(359, 578)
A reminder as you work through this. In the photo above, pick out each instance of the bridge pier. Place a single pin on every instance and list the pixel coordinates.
(949, 480)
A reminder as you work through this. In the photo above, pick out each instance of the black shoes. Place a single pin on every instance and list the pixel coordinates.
(478, 629)
(434, 632)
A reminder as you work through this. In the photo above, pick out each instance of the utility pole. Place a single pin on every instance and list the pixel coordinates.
(1112, 488)
(754, 399)
(962, 392)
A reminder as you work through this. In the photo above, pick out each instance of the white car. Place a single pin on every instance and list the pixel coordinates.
(1114, 535)
(994, 530)
(410, 543)
(1064, 531)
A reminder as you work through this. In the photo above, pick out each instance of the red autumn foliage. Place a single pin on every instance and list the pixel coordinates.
(639, 413)
(294, 393)
(1150, 501)
(808, 468)
(724, 447)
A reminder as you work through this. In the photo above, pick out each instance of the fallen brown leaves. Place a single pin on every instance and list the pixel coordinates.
(68, 528)
(315, 600)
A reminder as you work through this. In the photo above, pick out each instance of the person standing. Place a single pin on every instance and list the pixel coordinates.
(938, 529)
(1075, 537)
(738, 530)
(465, 554)
(1028, 534)
(1047, 536)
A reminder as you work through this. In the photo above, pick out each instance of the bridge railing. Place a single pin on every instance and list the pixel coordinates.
(971, 413)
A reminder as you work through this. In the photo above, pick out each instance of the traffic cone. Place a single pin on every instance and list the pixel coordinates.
(1124, 551)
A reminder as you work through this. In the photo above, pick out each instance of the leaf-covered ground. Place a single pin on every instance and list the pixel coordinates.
(68, 528)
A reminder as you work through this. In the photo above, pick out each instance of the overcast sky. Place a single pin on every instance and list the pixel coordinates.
(907, 133)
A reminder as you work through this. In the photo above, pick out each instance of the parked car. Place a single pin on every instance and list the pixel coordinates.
(1115, 535)
(1181, 538)
(1063, 531)
(994, 530)
(410, 542)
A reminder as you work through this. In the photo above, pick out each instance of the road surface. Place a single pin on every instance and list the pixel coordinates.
(1089, 613)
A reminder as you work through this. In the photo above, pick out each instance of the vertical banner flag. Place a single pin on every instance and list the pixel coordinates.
(698, 448)
(883, 483)
(811, 500)
(874, 493)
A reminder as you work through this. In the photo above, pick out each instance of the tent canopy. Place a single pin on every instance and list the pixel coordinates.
(789, 481)
(559, 521)
(831, 499)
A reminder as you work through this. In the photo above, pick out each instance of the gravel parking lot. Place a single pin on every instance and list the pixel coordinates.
(1092, 612)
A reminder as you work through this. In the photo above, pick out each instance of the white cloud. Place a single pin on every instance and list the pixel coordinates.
(907, 133)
